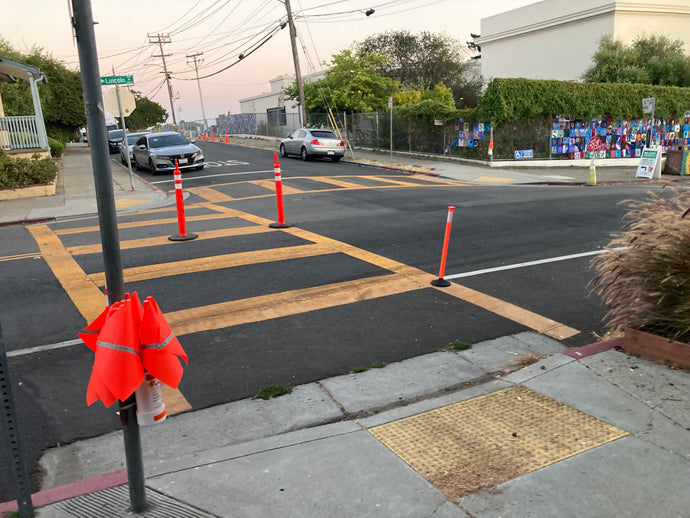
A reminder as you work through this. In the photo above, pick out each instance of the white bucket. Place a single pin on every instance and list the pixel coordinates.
(150, 406)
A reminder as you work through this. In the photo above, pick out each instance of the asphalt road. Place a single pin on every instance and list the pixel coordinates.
(345, 287)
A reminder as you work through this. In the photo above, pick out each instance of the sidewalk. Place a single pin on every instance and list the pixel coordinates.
(582, 432)
(588, 432)
(75, 193)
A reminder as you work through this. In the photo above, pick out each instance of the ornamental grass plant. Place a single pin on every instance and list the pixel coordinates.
(644, 276)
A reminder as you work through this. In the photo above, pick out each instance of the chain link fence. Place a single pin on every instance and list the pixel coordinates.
(551, 138)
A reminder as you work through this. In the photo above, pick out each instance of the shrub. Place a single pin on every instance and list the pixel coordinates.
(24, 172)
(644, 277)
(57, 148)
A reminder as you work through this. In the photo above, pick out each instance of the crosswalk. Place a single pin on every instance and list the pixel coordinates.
(61, 247)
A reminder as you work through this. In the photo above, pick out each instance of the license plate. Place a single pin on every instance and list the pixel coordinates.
(183, 161)
(331, 152)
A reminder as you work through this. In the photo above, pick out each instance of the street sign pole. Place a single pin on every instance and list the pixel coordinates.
(125, 145)
(82, 22)
(390, 107)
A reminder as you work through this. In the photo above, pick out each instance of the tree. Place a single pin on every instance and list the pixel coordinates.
(424, 60)
(351, 83)
(146, 114)
(653, 60)
(61, 98)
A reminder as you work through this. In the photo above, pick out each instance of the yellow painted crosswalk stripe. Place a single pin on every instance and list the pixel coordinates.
(163, 240)
(216, 262)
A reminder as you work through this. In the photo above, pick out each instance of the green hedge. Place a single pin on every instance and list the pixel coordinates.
(57, 148)
(24, 172)
(510, 99)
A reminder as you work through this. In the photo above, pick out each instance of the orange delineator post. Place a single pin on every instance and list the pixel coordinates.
(441, 282)
(213, 137)
(181, 223)
(227, 140)
(279, 194)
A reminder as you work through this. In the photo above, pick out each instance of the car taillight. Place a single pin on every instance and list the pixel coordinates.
(315, 142)
(342, 143)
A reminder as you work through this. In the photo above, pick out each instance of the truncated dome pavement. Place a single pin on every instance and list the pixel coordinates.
(485, 441)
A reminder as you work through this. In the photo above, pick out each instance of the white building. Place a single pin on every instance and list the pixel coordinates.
(556, 39)
(275, 98)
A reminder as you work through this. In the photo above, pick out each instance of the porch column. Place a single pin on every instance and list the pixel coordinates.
(40, 124)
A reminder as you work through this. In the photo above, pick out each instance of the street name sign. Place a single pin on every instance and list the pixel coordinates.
(117, 80)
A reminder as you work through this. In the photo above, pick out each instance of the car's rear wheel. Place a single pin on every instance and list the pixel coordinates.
(283, 151)
(336, 158)
(152, 167)
(303, 154)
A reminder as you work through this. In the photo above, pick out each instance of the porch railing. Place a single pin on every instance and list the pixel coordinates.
(20, 132)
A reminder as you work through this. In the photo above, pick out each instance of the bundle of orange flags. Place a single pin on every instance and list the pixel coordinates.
(129, 339)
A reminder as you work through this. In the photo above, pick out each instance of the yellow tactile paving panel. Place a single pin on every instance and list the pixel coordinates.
(493, 438)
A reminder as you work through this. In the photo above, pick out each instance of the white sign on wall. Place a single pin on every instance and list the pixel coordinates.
(650, 163)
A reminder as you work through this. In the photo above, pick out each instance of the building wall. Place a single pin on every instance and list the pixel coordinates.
(555, 39)
(260, 103)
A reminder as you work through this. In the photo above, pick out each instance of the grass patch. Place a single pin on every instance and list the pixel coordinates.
(457, 345)
(375, 365)
(272, 391)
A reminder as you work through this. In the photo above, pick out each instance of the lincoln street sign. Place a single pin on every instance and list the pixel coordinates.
(117, 80)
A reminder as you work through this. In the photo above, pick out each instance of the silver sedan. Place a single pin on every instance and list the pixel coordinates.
(158, 152)
(312, 143)
(131, 140)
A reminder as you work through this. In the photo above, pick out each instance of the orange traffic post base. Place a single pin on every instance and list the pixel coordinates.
(227, 140)
(179, 198)
(441, 282)
(279, 194)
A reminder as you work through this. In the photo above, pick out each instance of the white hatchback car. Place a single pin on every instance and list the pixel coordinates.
(312, 143)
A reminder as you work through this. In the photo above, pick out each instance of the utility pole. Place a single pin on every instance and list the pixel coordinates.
(295, 58)
(197, 62)
(160, 39)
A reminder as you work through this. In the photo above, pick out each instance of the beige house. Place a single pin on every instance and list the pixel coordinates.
(555, 39)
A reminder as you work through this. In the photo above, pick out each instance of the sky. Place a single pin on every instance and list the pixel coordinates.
(222, 30)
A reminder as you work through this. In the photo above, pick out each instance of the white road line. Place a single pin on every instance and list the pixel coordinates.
(522, 265)
(70, 343)
(43, 348)
(189, 178)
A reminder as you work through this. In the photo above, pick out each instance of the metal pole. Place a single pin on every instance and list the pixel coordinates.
(391, 108)
(82, 22)
(298, 73)
(125, 145)
(20, 476)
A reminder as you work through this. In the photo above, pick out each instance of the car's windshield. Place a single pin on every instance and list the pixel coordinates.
(174, 139)
(132, 139)
(115, 134)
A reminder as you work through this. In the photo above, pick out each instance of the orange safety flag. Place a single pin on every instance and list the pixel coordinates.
(160, 348)
(118, 362)
(90, 333)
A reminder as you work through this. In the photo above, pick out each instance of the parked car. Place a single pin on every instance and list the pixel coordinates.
(311, 143)
(131, 140)
(114, 139)
(158, 151)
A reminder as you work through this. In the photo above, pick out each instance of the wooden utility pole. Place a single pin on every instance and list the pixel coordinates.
(295, 58)
(160, 39)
